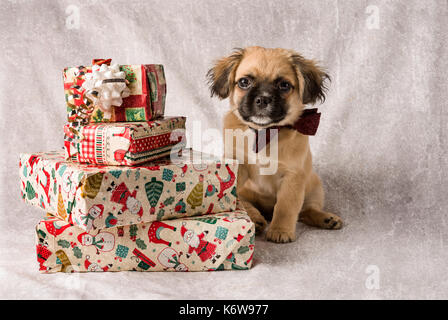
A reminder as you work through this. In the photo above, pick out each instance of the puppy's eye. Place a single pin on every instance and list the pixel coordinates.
(284, 86)
(244, 83)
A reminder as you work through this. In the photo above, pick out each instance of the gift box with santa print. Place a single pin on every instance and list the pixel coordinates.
(213, 242)
(96, 197)
(124, 143)
(106, 92)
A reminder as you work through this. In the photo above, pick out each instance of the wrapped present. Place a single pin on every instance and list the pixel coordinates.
(95, 196)
(117, 93)
(124, 143)
(213, 242)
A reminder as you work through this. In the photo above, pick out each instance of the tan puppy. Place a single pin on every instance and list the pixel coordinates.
(270, 87)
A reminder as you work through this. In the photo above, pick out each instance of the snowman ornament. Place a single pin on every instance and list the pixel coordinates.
(106, 86)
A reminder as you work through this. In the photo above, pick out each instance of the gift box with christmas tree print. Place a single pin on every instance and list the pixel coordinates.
(114, 93)
(124, 143)
(95, 196)
(213, 242)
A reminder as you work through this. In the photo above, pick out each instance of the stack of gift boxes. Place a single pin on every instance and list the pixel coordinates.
(125, 194)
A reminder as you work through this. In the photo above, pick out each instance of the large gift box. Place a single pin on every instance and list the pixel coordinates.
(124, 143)
(96, 197)
(117, 93)
(212, 242)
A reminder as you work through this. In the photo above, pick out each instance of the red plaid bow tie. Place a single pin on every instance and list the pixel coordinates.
(307, 124)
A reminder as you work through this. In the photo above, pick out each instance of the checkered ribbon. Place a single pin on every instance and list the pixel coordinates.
(88, 144)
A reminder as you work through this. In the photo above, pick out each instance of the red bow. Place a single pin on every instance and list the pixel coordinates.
(101, 61)
(307, 124)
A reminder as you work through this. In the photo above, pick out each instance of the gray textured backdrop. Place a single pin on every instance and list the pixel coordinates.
(381, 148)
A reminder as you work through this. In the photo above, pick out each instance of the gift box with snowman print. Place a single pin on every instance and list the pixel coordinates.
(221, 241)
(96, 197)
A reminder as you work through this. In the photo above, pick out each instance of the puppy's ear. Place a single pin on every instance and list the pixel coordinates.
(315, 79)
(221, 76)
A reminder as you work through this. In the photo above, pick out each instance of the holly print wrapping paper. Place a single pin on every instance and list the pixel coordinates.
(144, 100)
(94, 197)
(219, 241)
(124, 143)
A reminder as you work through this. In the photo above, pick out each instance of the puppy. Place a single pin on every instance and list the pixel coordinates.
(269, 88)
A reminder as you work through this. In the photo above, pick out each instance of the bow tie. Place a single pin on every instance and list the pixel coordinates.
(307, 124)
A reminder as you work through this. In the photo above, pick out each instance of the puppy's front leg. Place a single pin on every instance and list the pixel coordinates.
(246, 198)
(290, 198)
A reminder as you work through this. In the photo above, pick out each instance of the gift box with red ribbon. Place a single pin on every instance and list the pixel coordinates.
(124, 143)
(114, 93)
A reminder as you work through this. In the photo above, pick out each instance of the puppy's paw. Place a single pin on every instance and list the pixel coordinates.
(331, 221)
(260, 224)
(280, 236)
(321, 219)
(259, 221)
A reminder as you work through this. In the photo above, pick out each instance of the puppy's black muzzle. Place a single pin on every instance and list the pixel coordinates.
(263, 101)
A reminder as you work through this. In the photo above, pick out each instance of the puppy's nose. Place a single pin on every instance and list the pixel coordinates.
(263, 101)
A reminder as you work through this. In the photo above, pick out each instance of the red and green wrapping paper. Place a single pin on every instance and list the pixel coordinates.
(94, 196)
(219, 241)
(146, 101)
(124, 143)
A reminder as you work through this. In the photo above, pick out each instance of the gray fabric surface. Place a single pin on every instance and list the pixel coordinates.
(381, 149)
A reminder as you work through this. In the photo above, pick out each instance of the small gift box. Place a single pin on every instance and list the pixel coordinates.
(124, 143)
(114, 93)
(220, 241)
(96, 196)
